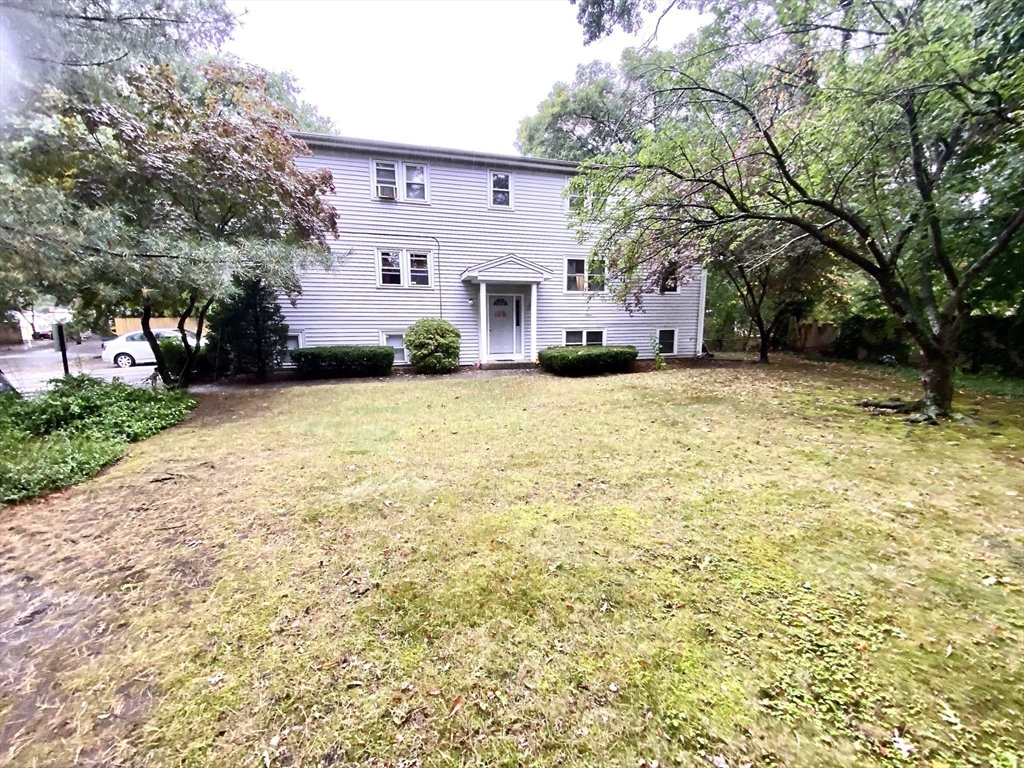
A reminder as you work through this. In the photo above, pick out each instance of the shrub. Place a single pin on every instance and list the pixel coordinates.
(433, 345)
(71, 432)
(587, 361)
(250, 329)
(329, 362)
(204, 364)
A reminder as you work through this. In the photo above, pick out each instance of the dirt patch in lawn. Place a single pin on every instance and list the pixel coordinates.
(77, 567)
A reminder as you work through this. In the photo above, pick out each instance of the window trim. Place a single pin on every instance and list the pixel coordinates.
(426, 184)
(511, 190)
(586, 276)
(377, 254)
(405, 268)
(568, 196)
(585, 331)
(373, 180)
(675, 340)
(396, 332)
(300, 334)
(400, 181)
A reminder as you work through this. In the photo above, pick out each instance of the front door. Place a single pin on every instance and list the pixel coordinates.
(501, 321)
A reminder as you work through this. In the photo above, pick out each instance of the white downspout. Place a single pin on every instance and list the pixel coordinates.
(700, 316)
(533, 321)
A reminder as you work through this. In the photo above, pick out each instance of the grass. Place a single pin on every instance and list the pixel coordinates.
(988, 382)
(725, 564)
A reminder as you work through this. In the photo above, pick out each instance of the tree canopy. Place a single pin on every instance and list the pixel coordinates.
(889, 133)
(154, 180)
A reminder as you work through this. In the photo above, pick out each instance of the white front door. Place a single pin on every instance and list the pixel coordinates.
(501, 325)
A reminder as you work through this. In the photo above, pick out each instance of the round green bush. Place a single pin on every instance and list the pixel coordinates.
(433, 345)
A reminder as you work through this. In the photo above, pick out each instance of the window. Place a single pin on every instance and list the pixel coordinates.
(667, 341)
(574, 200)
(396, 340)
(581, 338)
(419, 268)
(501, 189)
(390, 268)
(415, 182)
(385, 176)
(406, 182)
(577, 277)
(294, 341)
(575, 274)
(402, 268)
(137, 337)
(670, 281)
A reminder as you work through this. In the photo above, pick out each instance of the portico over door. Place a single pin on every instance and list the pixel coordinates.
(504, 284)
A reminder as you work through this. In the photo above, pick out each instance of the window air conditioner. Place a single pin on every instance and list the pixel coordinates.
(387, 191)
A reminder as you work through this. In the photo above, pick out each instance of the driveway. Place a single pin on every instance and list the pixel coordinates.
(29, 367)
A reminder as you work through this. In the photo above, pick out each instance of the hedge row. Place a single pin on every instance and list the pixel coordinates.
(329, 362)
(587, 361)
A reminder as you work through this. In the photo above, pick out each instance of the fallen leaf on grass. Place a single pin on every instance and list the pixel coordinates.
(457, 705)
(434, 692)
(217, 678)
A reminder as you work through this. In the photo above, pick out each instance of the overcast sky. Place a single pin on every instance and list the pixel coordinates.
(448, 73)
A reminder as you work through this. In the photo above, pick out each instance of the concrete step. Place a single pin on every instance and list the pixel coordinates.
(507, 366)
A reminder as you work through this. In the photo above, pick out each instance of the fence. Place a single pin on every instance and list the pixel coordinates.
(128, 324)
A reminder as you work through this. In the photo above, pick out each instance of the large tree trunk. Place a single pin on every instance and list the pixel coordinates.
(937, 380)
(763, 349)
(191, 351)
(158, 355)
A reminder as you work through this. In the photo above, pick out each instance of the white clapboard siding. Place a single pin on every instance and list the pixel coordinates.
(345, 305)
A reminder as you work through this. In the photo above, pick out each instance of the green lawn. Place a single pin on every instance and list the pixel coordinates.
(728, 566)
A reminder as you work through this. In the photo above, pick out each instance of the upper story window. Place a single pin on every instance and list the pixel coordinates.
(573, 199)
(407, 182)
(583, 276)
(670, 282)
(501, 189)
(385, 177)
(415, 182)
(404, 268)
(419, 268)
(390, 267)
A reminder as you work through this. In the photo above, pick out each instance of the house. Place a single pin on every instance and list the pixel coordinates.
(480, 240)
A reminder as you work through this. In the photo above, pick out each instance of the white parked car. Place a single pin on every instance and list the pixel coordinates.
(130, 349)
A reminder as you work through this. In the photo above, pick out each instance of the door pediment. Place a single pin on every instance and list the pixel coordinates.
(507, 269)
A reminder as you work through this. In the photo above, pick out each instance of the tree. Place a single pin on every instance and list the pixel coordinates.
(250, 328)
(890, 134)
(80, 43)
(777, 275)
(579, 121)
(107, 207)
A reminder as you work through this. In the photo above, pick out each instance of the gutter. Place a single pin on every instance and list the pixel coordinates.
(414, 151)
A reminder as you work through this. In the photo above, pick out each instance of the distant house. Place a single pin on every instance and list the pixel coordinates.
(480, 240)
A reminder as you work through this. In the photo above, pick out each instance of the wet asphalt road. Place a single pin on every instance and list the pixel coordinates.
(29, 367)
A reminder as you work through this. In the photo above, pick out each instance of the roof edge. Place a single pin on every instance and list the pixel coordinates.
(371, 146)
